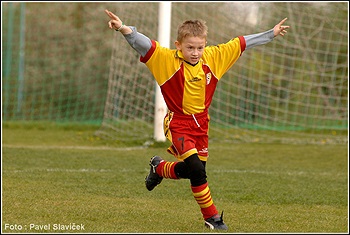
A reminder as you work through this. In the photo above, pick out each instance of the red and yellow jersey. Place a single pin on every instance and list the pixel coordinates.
(189, 89)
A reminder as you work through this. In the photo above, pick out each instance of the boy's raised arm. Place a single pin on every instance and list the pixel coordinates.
(257, 39)
(137, 40)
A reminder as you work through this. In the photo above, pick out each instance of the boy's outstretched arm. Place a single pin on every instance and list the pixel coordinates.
(137, 40)
(253, 40)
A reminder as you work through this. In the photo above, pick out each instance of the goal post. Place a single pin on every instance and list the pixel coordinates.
(164, 32)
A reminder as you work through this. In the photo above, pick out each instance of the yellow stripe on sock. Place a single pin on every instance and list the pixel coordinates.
(203, 198)
(167, 168)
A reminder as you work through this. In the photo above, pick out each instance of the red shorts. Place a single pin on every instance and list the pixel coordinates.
(188, 134)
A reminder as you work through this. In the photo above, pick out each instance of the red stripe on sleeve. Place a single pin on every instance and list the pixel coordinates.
(242, 43)
(149, 53)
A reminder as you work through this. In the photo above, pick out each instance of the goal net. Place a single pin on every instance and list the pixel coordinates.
(292, 90)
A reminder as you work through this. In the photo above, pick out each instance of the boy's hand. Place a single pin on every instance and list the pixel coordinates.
(280, 29)
(115, 22)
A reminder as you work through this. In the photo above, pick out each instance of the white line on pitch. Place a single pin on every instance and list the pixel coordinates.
(73, 147)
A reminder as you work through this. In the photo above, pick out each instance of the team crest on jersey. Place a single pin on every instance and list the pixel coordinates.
(208, 77)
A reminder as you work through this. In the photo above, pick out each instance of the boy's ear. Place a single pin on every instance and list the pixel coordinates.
(178, 45)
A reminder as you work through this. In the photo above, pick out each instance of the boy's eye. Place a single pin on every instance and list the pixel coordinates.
(192, 48)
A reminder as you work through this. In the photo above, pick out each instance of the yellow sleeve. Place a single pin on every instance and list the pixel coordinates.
(221, 57)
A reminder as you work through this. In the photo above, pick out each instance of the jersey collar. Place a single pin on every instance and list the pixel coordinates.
(179, 54)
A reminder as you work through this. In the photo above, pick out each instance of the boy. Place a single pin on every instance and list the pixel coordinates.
(188, 76)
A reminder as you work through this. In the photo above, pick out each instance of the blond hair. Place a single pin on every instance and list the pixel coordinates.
(193, 28)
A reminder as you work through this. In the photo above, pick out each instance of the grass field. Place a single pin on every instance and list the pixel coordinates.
(63, 179)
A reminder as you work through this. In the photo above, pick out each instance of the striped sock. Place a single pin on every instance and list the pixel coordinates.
(203, 197)
(166, 169)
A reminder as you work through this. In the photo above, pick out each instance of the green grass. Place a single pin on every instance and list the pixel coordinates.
(63, 174)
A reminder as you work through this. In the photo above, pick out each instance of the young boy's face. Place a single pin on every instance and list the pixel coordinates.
(192, 48)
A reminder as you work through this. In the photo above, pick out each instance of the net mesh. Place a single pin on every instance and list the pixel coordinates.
(72, 67)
